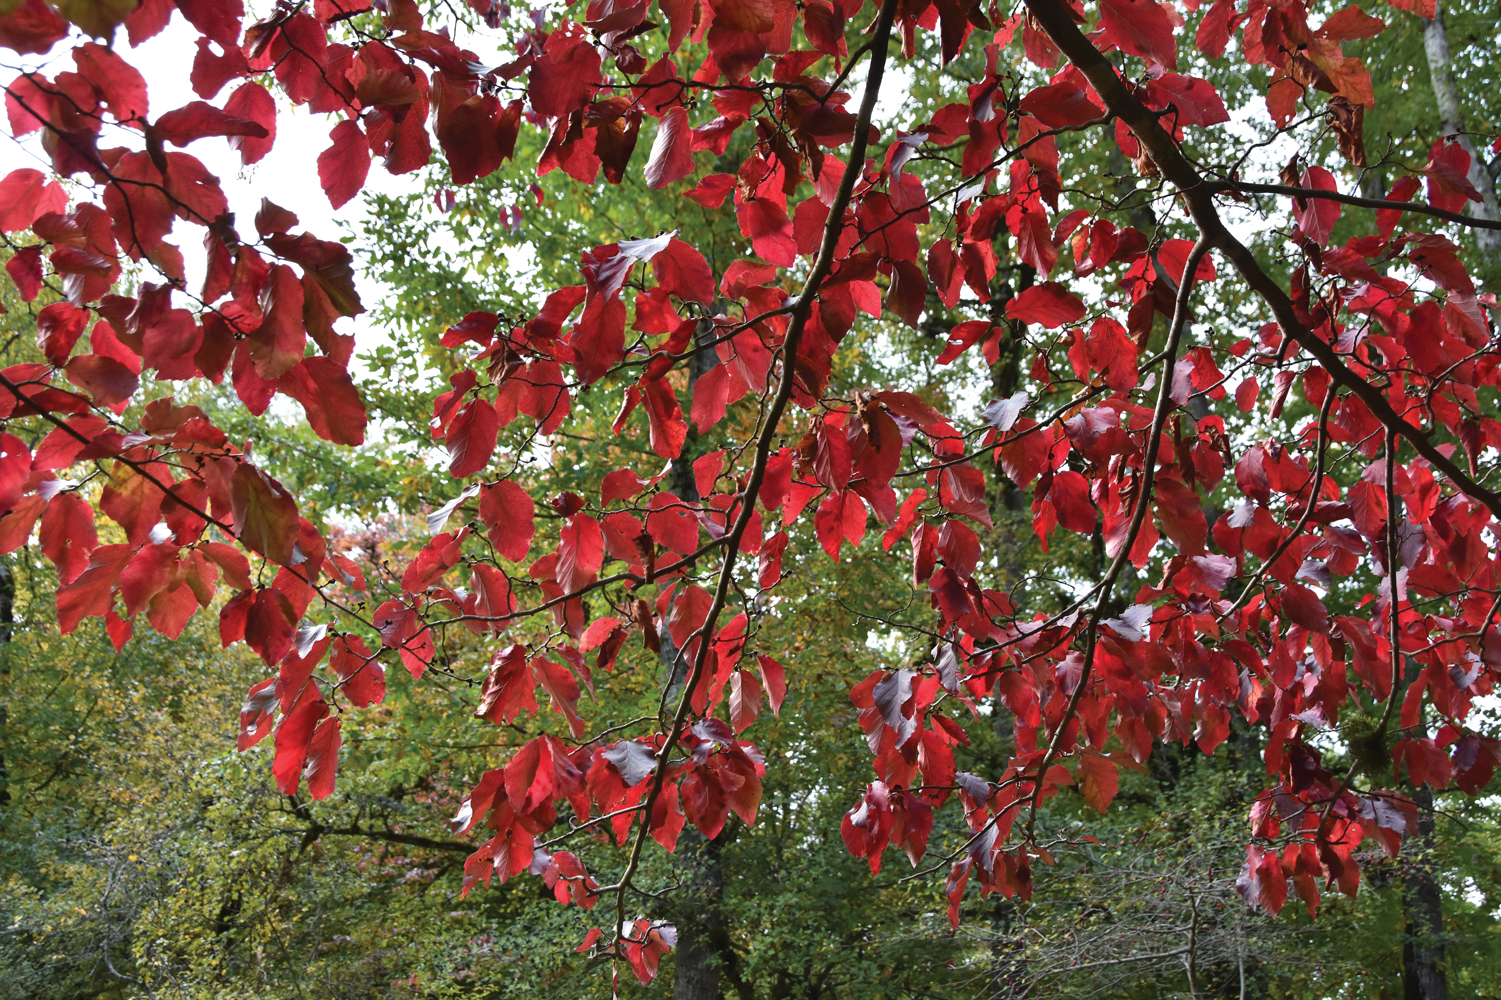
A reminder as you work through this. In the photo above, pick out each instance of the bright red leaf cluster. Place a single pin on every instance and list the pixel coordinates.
(1383, 335)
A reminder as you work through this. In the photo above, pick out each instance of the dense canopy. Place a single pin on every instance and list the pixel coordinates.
(1042, 393)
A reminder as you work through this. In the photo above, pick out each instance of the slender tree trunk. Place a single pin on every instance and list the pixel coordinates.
(1423, 961)
(701, 931)
(700, 921)
(1436, 45)
(7, 619)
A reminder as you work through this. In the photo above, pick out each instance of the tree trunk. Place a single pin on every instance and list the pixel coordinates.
(700, 922)
(701, 931)
(7, 618)
(1423, 963)
(1436, 45)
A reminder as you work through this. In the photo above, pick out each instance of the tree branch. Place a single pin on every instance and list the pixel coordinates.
(800, 312)
(1350, 199)
(1198, 194)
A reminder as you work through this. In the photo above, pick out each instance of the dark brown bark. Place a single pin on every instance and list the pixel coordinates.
(705, 957)
(7, 619)
(1423, 961)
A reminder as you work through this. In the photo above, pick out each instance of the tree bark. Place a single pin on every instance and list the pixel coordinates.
(7, 619)
(700, 922)
(702, 934)
(1436, 46)
(1423, 960)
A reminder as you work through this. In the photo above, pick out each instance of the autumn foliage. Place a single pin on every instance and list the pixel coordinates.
(1125, 425)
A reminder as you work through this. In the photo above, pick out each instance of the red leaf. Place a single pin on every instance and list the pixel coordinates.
(265, 515)
(278, 344)
(271, 625)
(1034, 240)
(1350, 23)
(92, 594)
(435, 559)
(342, 167)
(682, 270)
(907, 295)
(508, 687)
(774, 680)
(362, 676)
(745, 699)
(252, 103)
(765, 224)
(508, 511)
(1318, 215)
(293, 735)
(25, 269)
(712, 190)
(668, 432)
(27, 194)
(58, 327)
(1070, 497)
(1423, 8)
(1214, 30)
(1173, 255)
(961, 489)
(17, 522)
(1426, 763)
(1140, 28)
(67, 535)
(672, 524)
(1196, 100)
(620, 484)
(32, 28)
(469, 133)
(581, 551)
(199, 120)
(1060, 105)
(539, 773)
(671, 153)
(493, 597)
(1304, 608)
(563, 690)
(328, 396)
(120, 630)
(106, 380)
(866, 828)
(962, 338)
(598, 338)
(323, 759)
(1099, 780)
(217, 19)
(688, 614)
(828, 523)
(769, 569)
(1182, 515)
(211, 72)
(471, 438)
(402, 630)
(567, 76)
(1049, 304)
(116, 81)
(1448, 170)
